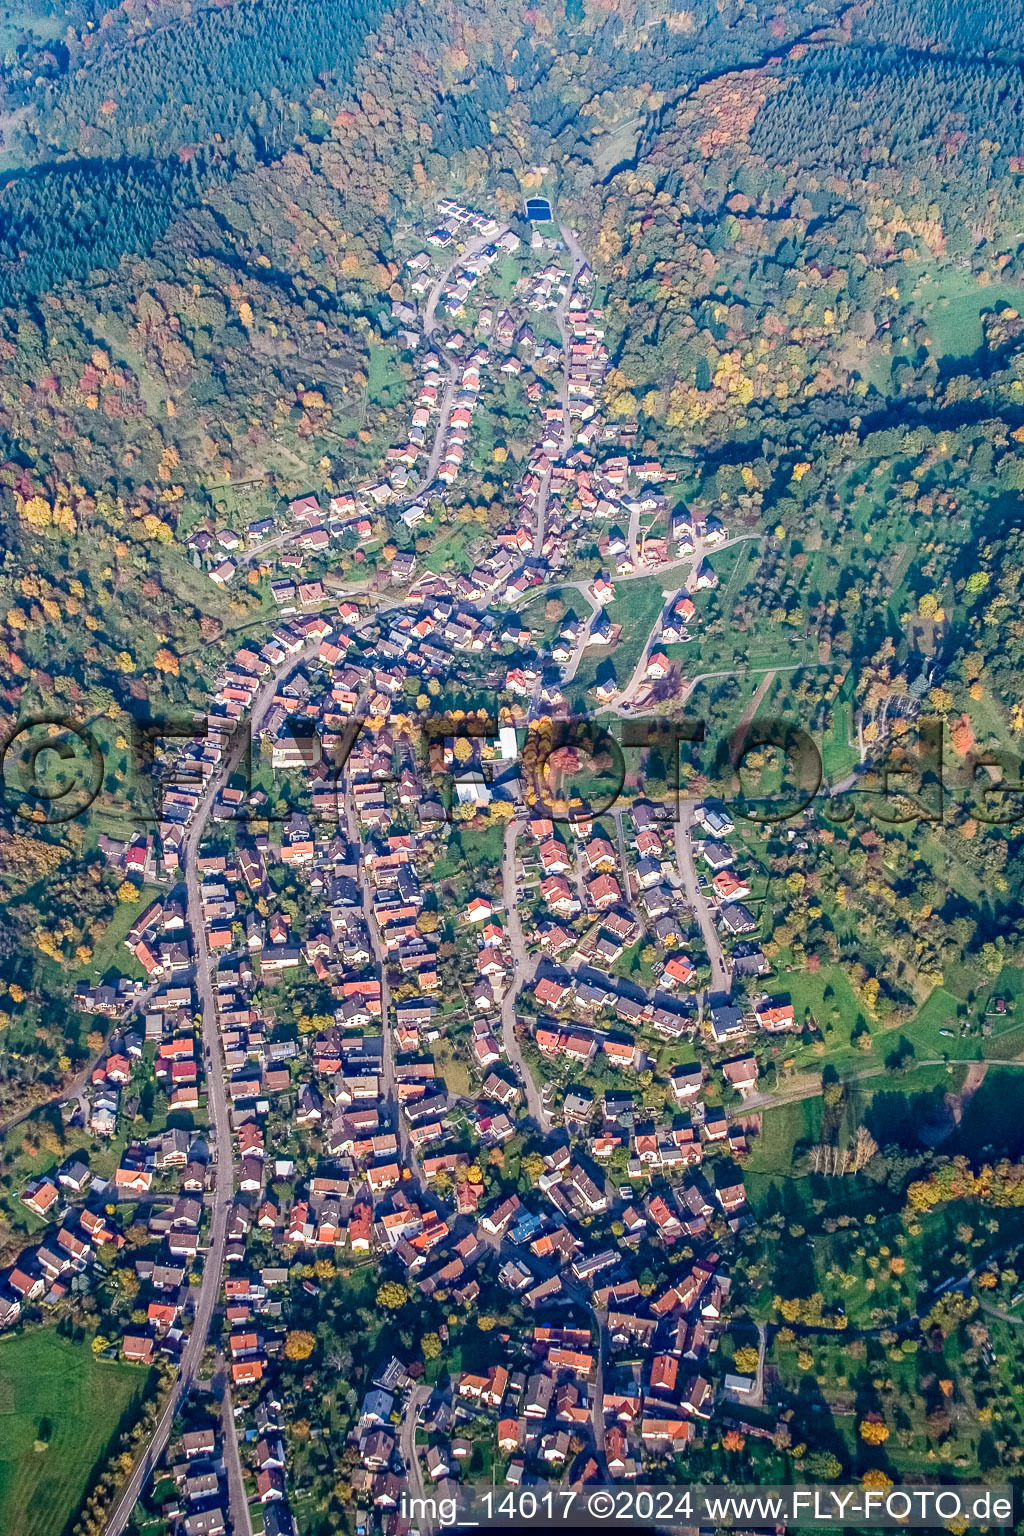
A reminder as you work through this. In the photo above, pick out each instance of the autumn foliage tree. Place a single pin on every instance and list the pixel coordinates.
(299, 1344)
(392, 1294)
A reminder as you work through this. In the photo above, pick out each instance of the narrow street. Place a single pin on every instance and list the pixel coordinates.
(406, 1153)
(407, 1438)
(626, 696)
(633, 535)
(572, 665)
(721, 977)
(627, 879)
(597, 1406)
(561, 309)
(523, 971)
(477, 243)
(241, 1515)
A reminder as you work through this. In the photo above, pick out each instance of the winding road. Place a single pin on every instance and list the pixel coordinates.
(426, 481)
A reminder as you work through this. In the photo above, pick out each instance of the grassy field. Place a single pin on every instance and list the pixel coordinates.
(941, 1030)
(838, 746)
(893, 1109)
(635, 608)
(50, 1388)
(16, 19)
(110, 953)
(504, 279)
(992, 1125)
(483, 847)
(782, 1129)
(827, 996)
(385, 385)
(453, 548)
(953, 304)
(451, 1066)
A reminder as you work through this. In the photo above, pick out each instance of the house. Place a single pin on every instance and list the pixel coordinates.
(557, 893)
(714, 819)
(741, 1073)
(499, 1220)
(717, 856)
(729, 887)
(665, 1434)
(736, 918)
(686, 1083)
(74, 1175)
(664, 1375)
(603, 891)
(26, 1286)
(41, 1197)
(679, 971)
(138, 1347)
(510, 1435)
(305, 509)
(731, 1195)
(775, 1016)
(698, 1398)
(625, 1054)
(540, 1390)
(549, 991)
(599, 855)
(715, 1126)
(554, 857)
(438, 1462)
(198, 1442)
(270, 1484)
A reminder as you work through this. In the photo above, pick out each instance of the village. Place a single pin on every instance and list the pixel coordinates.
(379, 960)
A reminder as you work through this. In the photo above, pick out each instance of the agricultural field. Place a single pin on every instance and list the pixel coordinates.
(59, 1406)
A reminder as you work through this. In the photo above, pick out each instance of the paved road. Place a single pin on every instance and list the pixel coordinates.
(564, 583)
(620, 837)
(523, 970)
(241, 1516)
(633, 534)
(267, 546)
(206, 1297)
(407, 1438)
(561, 309)
(572, 665)
(597, 1407)
(626, 696)
(406, 1155)
(430, 322)
(721, 976)
(756, 1399)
